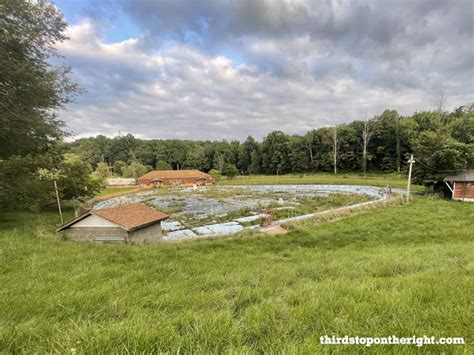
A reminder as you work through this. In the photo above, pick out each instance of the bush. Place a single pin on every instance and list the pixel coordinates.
(135, 170)
(119, 167)
(215, 174)
(230, 170)
(102, 170)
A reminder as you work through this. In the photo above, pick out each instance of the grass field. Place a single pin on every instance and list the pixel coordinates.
(117, 191)
(374, 179)
(380, 180)
(404, 270)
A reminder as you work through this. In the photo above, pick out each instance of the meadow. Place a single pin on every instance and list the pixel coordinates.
(402, 270)
(372, 179)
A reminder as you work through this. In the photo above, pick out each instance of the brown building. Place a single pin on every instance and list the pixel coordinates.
(461, 185)
(134, 223)
(175, 178)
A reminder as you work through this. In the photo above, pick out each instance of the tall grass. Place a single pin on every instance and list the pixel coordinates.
(404, 270)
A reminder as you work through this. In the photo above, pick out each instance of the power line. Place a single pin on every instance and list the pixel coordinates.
(440, 171)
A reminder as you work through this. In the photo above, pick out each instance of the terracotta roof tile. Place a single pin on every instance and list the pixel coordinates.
(175, 174)
(131, 216)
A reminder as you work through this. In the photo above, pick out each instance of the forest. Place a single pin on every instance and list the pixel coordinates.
(34, 151)
(442, 143)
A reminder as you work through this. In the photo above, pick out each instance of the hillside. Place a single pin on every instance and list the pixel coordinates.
(404, 270)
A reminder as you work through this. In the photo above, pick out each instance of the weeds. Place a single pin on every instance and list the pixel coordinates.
(404, 270)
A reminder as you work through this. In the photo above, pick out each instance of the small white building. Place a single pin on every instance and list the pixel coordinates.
(134, 223)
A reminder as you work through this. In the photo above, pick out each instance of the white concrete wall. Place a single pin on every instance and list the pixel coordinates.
(121, 182)
(94, 221)
(147, 235)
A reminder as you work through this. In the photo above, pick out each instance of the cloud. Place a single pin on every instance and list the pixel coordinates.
(227, 69)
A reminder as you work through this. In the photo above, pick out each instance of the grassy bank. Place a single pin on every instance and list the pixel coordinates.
(380, 180)
(404, 270)
(110, 192)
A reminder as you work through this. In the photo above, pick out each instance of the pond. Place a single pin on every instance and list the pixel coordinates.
(221, 210)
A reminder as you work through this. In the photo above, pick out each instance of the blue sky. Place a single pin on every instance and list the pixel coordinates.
(221, 69)
(118, 26)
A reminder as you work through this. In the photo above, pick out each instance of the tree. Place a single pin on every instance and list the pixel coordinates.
(221, 155)
(366, 134)
(22, 186)
(389, 140)
(323, 157)
(335, 148)
(123, 148)
(75, 179)
(245, 154)
(220, 161)
(298, 159)
(398, 143)
(255, 162)
(309, 143)
(462, 126)
(162, 165)
(173, 152)
(275, 153)
(348, 136)
(92, 150)
(439, 155)
(215, 174)
(102, 170)
(196, 158)
(119, 167)
(32, 90)
(381, 143)
(135, 170)
(145, 152)
(230, 170)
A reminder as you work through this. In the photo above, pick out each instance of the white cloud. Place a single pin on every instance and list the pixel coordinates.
(292, 82)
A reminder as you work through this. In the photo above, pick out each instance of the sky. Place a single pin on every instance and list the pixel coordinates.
(226, 69)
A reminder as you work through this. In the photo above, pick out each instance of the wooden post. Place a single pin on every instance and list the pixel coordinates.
(411, 161)
(59, 202)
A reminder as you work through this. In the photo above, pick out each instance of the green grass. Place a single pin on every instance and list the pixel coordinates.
(404, 270)
(117, 190)
(380, 180)
(312, 204)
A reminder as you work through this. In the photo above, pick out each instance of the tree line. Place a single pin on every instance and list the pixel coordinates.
(442, 141)
(33, 153)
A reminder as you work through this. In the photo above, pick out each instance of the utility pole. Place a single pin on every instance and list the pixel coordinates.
(59, 202)
(411, 161)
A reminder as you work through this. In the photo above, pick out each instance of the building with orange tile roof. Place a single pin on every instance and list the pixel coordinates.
(159, 178)
(134, 223)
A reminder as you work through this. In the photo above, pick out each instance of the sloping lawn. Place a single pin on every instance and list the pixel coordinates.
(403, 270)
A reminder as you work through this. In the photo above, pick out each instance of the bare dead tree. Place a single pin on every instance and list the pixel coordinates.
(220, 162)
(309, 138)
(441, 104)
(366, 135)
